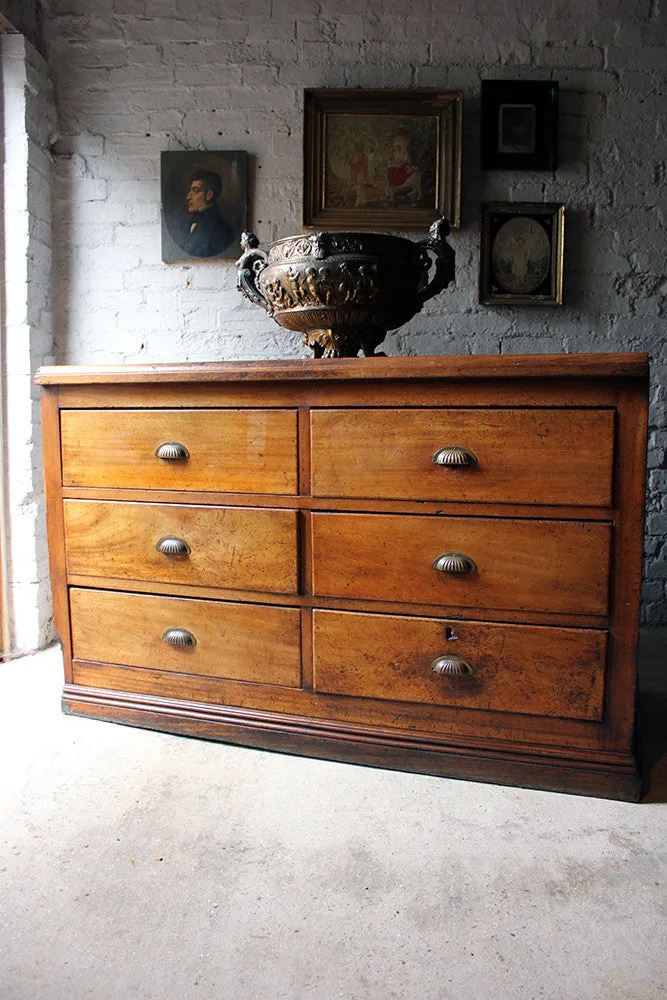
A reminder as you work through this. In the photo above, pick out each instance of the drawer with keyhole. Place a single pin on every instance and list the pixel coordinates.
(528, 669)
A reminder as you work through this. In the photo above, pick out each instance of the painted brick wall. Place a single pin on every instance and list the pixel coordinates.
(29, 126)
(134, 77)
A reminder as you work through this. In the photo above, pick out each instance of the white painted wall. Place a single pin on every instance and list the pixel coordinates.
(134, 77)
(28, 126)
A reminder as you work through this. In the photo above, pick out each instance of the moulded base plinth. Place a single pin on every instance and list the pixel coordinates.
(608, 775)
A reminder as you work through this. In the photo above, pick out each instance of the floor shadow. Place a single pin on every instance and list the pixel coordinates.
(652, 728)
(652, 713)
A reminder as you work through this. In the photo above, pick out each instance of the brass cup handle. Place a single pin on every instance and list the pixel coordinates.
(454, 562)
(170, 545)
(455, 458)
(451, 666)
(178, 637)
(172, 451)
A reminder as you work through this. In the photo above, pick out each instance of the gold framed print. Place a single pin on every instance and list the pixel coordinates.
(521, 254)
(377, 159)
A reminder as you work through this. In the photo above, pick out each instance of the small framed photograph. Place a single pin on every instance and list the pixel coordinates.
(381, 159)
(521, 260)
(204, 204)
(519, 125)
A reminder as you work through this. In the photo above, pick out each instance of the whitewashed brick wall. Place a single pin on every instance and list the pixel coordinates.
(28, 124)
(134, 77)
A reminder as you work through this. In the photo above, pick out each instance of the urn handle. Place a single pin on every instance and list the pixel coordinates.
(444, 258)
(249, 266)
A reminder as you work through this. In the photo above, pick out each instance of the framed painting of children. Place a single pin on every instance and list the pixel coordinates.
(387, 158)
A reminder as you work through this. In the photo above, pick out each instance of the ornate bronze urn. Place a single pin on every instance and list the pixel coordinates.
(343, 291)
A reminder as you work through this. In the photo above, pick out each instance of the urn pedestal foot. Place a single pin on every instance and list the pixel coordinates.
(343, 342)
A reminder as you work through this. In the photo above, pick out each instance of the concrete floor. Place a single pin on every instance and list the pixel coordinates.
(139, 865)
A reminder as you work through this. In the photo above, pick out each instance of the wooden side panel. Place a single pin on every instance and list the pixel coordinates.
(539, 456)
(234, 547)
(244, 451)
(515, 668)
(632, 433)
(54, 521)
(557, 566)
(246, 642)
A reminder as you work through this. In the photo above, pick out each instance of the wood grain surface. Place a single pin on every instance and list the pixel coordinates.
(246, 642)
(236, 547)
(516, 668)
(479, 366)
(313, 513)
(538, 456)
(556, 566)
(235, 450)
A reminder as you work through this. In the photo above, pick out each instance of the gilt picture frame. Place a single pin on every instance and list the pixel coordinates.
(521, 254)
(381, 159)
(204, 204)
(519, 125)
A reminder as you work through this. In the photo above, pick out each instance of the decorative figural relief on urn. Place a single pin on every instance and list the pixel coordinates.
(343, 291)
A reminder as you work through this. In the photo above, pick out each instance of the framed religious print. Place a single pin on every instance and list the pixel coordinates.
(204, 204)
(381, 159)
(519, 125)
(521, 260)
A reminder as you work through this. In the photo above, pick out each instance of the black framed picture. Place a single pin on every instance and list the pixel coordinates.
(204, 204)
(521, 260)
(519, 125)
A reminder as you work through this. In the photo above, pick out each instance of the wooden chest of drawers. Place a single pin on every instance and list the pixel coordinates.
(431, 564)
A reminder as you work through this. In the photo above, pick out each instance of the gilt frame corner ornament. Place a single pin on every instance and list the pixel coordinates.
(381, 159)
(521, 253)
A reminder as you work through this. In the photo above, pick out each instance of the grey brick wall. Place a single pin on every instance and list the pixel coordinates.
(134, 77)
(29, 126)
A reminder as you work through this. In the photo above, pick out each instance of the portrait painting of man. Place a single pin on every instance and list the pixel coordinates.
(204, 204)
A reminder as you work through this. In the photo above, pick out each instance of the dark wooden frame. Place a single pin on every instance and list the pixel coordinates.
(232, 203)
(542, 97)
(551, 217)
(445, 106)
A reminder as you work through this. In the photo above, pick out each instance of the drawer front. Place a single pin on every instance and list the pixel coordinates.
(245, 642)
(533, 670)
(534, 456)
(238, 548)
(556, 566)
(237, 451)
